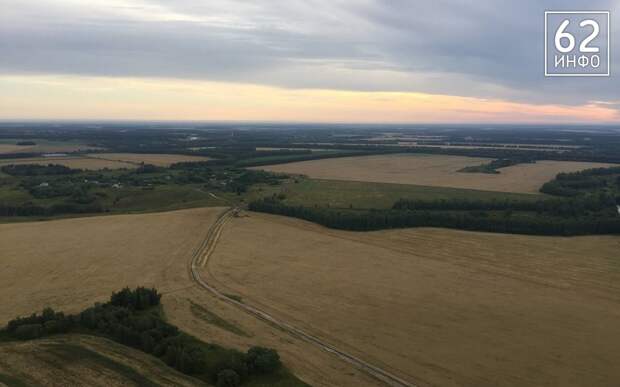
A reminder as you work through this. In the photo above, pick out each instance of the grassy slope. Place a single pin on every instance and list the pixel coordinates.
(87, 360)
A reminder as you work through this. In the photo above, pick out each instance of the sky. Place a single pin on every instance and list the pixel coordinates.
(439, 61)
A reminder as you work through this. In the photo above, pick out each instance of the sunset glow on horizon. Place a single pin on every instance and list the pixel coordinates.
(74, 97)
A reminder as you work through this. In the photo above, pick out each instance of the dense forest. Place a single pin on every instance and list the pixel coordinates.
(131, 317)
(578, 183)
(592, 204)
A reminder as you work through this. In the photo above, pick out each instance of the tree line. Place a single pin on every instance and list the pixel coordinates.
(579, 206)
(38, 170)
(28, 209)
(504, 222)
(131, 318)
(576, 183)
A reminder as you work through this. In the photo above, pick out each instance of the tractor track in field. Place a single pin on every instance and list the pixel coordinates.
(200, 259)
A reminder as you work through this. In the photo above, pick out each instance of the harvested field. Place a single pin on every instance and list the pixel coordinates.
(433, 170)
(43, 146)
(161, 160)
(70, 264)
(437, 307)
(76, 360)
(71, 162)
(48, 263)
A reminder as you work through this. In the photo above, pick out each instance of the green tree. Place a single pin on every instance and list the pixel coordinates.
(228, 378)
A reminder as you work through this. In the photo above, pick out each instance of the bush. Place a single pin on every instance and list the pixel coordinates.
(139, 299)
(263, 360)
(28, 331)
(228, 378)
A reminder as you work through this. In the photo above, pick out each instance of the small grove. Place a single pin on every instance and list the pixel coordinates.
(132, 318)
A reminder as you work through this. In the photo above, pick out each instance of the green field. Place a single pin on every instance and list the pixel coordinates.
(366, 195)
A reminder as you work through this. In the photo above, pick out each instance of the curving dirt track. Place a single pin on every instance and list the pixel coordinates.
(200, 259)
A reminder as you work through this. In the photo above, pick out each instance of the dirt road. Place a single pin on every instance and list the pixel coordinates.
(200, 258)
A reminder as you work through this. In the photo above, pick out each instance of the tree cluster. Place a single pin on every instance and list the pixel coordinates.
(129, 318)
(140, 298)
(148, 168)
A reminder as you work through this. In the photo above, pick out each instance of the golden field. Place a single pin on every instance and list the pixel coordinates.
(433, 170)
(437, 307)
(70, 264)
(162, 160)
(433, 306)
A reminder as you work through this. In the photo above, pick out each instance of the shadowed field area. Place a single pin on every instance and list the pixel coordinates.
(433, 170)
(438, 307)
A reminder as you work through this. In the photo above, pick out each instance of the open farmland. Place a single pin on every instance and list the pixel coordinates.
(70, 264)
(437, 307)
(72, 162)
(48, 263)
(162, 160)
(433, 170)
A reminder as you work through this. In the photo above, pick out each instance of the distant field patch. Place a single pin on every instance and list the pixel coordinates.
(433, 170)
(42, 146)
(72, 162)
(162, 160)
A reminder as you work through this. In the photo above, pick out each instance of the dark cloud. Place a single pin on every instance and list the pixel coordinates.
(487, 48)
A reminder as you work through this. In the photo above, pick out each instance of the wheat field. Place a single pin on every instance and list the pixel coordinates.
(437, 307)
(433, 170)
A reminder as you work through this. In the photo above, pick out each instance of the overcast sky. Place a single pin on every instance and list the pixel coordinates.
(458, 52)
